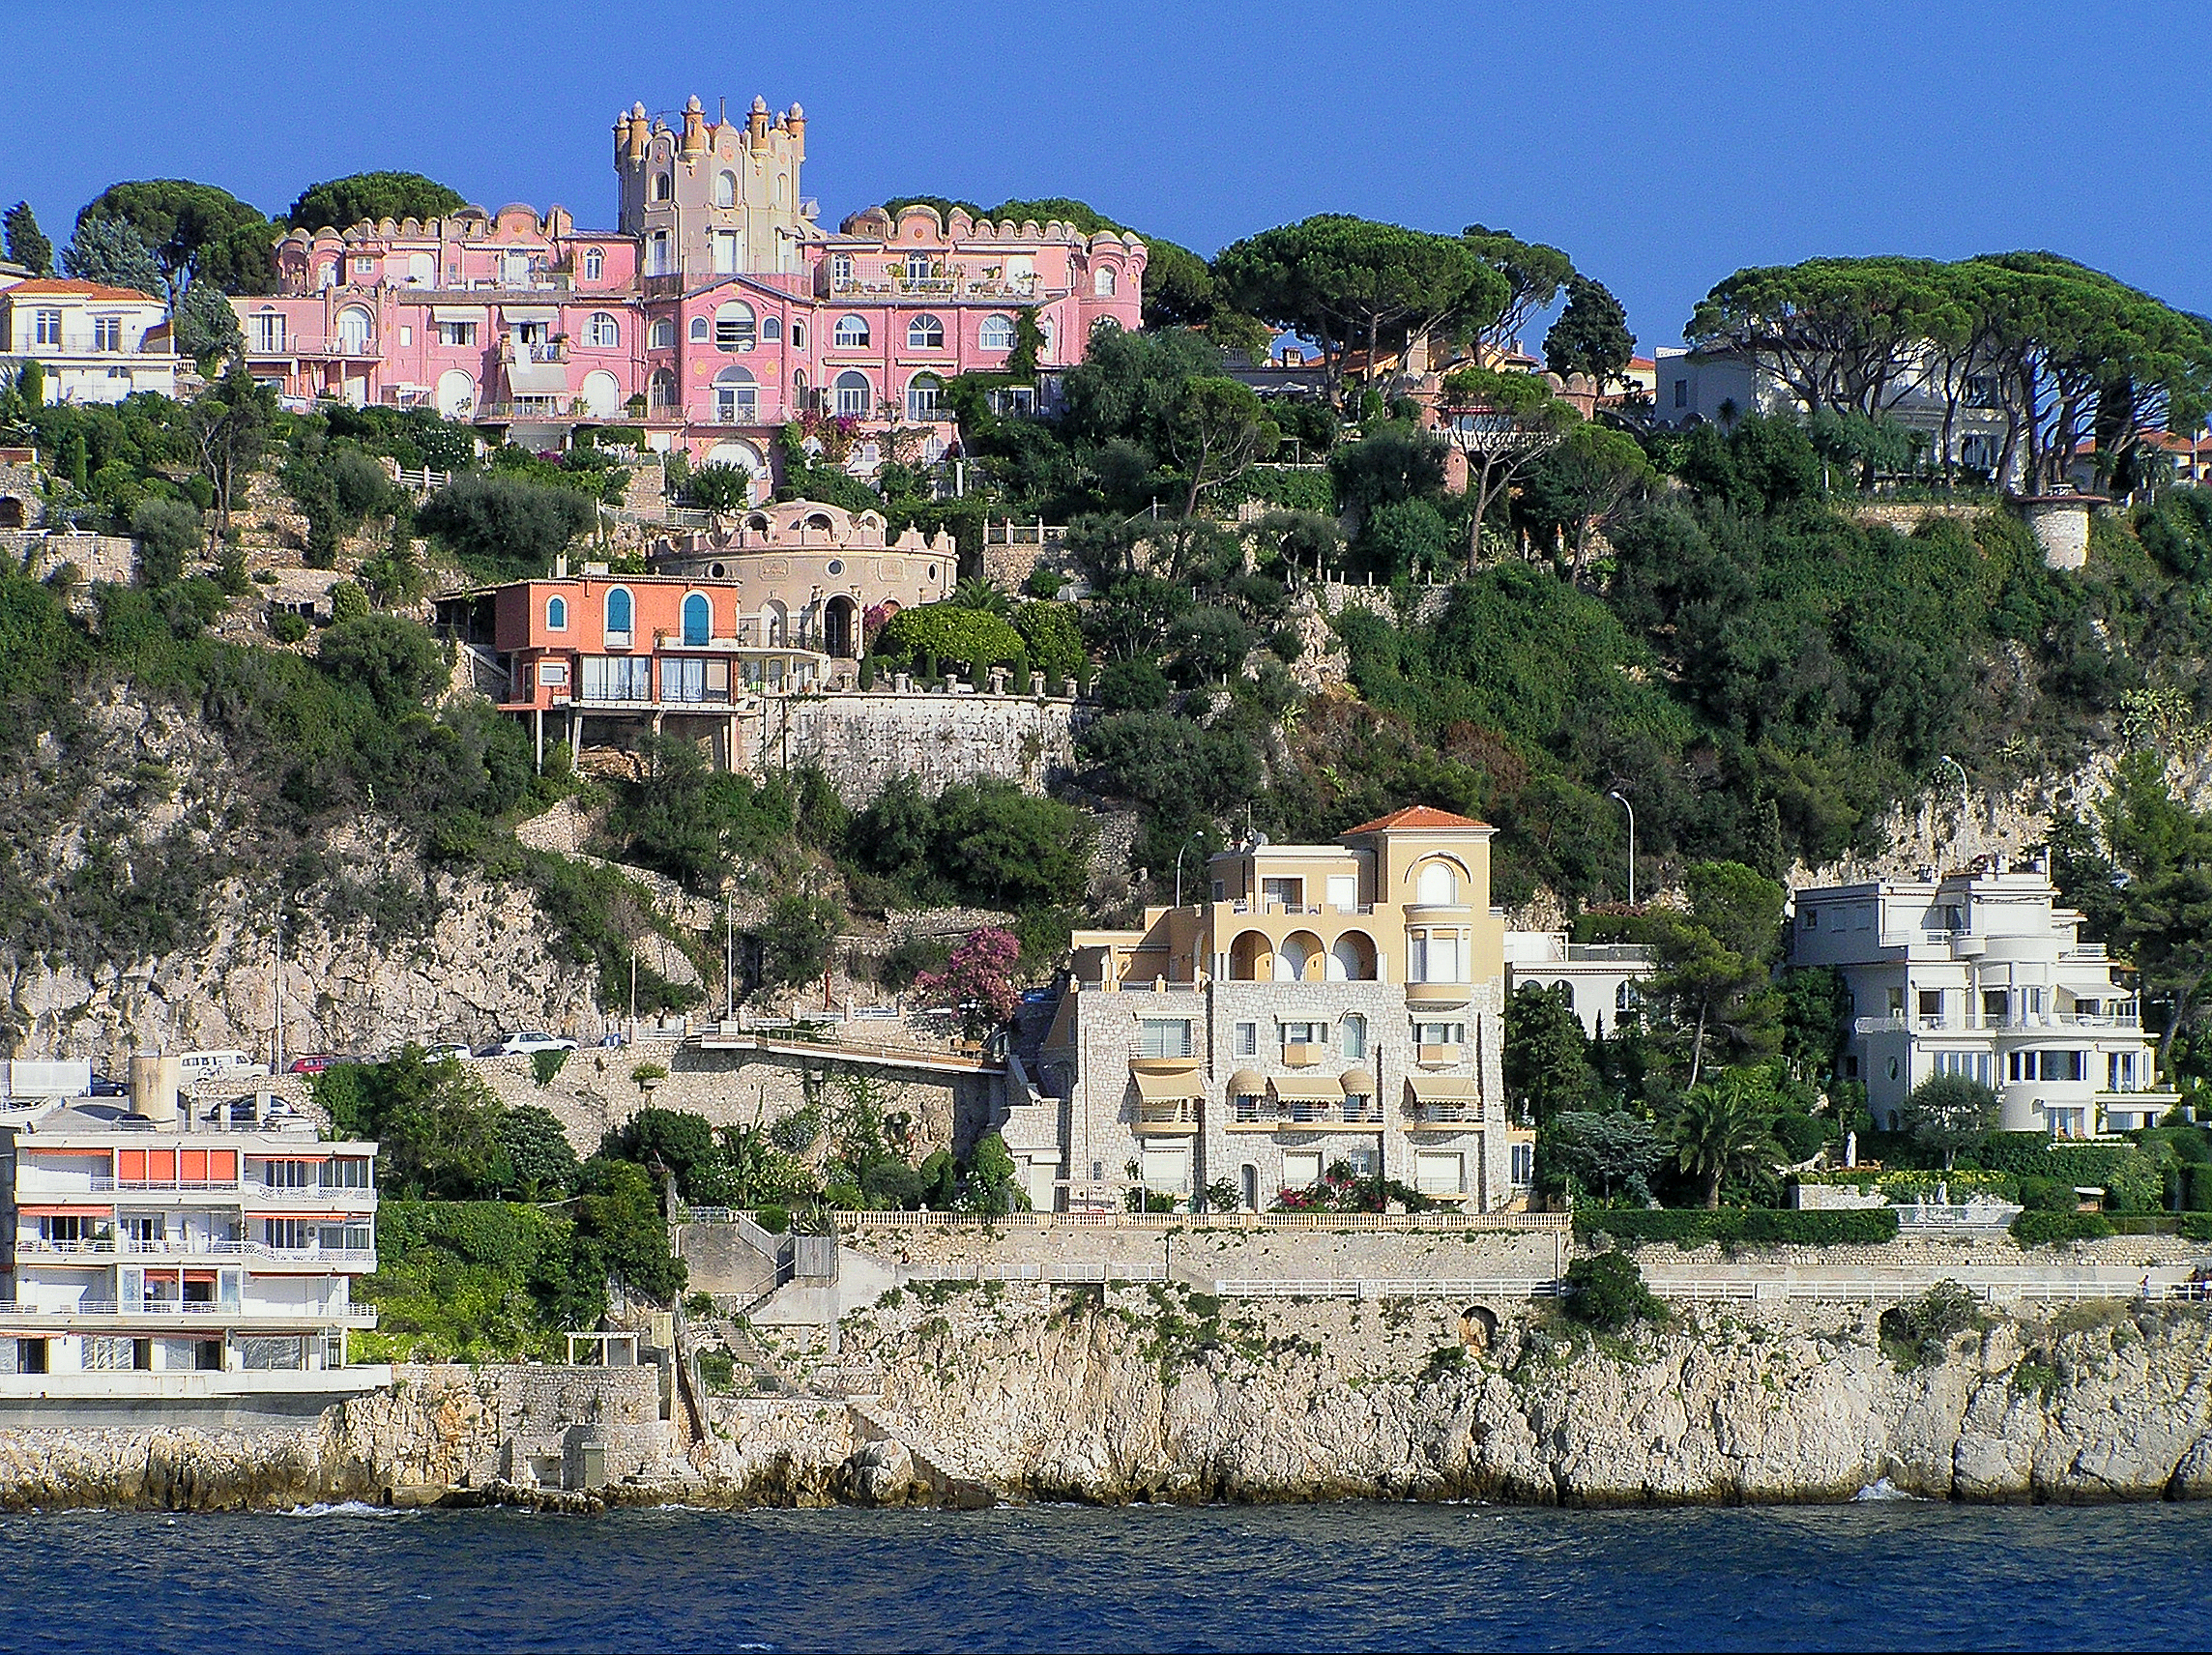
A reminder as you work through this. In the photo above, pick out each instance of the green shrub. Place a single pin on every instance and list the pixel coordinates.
(287, 628)
(1920, 1330)
(717, 1371)
(544, 1065)
(2047, 1195)
(2196, 1226)
(2031, 1229)
(1607, 1292)
(1690, 1227)
(948, 632)
(775, 1220)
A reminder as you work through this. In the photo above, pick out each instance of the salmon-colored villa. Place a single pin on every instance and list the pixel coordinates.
(715, 311)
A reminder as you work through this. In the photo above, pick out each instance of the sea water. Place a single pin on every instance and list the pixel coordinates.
(1873, 1574)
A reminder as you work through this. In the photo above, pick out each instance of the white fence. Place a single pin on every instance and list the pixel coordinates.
(1398, 1223)
(1090, 1270)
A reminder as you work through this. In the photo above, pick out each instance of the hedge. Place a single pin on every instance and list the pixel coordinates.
(1690, 1227)
(2031, 1229)
(948, 632)
(1290, 488)
(2196, 1226)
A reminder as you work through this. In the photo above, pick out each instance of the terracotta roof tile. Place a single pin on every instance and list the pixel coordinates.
(63, 286)
(1415, 816)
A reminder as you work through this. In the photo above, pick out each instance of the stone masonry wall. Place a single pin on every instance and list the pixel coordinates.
(593, 1093)
(860, 740)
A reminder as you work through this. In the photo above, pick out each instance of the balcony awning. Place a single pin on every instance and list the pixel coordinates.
(537, 379)
(1307, 1088)
(458, 313)
(1247, 1082)
(1442, 1088)
(1356, 1082)
(1169, 1089)
(545, 313)
(77, 1209)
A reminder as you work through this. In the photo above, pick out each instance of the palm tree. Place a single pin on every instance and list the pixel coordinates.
(974, 591)
(1724, 1126)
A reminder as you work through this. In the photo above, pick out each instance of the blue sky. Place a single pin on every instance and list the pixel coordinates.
(1662, 145)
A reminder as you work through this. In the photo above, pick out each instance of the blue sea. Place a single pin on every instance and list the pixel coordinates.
(1867, 1576)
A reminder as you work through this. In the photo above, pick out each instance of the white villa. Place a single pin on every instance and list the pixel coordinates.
(96, 344)
(1981, 974)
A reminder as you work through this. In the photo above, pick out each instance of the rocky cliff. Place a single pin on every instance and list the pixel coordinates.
(1162, 1394)
(1166, 1394)
(147, 885)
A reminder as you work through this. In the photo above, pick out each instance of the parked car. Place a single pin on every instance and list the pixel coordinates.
(314, 1063)
(102, 1087)
(446, 1051)
(524, 1044)
(206, 1065)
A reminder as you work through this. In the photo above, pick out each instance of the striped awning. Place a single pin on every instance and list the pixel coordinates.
(1307, 1088)
(1356, 1082)
(1443, 1088)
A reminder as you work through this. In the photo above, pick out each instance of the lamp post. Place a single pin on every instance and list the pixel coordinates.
(1197, 833)
(1963, 787)
(1631, 809)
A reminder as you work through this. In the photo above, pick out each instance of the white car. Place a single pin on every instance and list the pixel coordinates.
(448, 1050)
(524, 1044)
(204, 1065)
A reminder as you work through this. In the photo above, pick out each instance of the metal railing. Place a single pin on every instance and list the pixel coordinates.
(1908, 1023)
(351, 1314)
(1114, 1219)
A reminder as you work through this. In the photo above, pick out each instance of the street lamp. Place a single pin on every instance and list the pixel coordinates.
(1631, 809)
(1964, 786)
(1199, 834)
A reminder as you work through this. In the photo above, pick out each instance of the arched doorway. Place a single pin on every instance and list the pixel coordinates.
(1300, 959)
(603, 395)
(456, 395)
(839, 634)
(1251, 959)
(1352, 959)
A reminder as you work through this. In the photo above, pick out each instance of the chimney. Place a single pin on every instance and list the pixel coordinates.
(154, 1082)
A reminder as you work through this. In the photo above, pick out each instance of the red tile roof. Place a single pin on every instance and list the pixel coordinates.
(1415, 816)
(63, 285)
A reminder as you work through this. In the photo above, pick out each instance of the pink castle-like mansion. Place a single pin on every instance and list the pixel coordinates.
(716, 311)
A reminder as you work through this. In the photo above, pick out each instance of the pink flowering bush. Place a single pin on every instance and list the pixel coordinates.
(976, 980)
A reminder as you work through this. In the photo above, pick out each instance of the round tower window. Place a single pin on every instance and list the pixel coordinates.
(836, 566)
(715, 571)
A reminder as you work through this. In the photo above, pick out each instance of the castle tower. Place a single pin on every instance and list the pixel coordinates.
(712, 196)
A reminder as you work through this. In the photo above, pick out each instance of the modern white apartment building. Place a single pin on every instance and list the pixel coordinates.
(133, 1245)
(1598, 978)
(1319, 1003)
(1981, 974)
(97, 343)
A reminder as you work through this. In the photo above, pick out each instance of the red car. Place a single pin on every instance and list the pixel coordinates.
(314, 1064)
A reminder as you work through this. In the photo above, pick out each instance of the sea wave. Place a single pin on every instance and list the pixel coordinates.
(1883, 1489)
(343, 1508)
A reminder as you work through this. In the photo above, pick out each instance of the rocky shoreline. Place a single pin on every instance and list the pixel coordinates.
(1164, 1395)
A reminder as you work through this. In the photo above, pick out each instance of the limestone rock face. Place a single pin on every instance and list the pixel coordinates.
(1157, 1394)
(163, 936)
(1134, 1399)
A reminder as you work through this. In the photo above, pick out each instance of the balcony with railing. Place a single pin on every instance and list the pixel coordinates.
(32, 1313)
(1276, 1114)
(2025, 1023)
(1442, 1115)
(1168, 1118)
